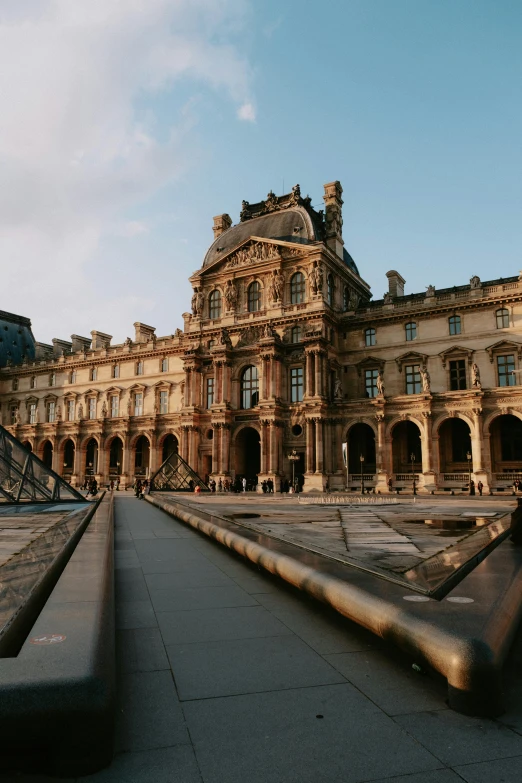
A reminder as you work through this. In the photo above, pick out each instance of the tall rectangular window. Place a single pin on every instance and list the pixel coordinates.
(369, 337)
(164, 365)
(70, 410)
(164, 402)
(413, 379)
(139, 368)
(454, 324)
(72, 377)
(92, 407)
(116, 371)
(458, 375)
(13, 411)
(94, 373)
(370, 382)
(296, 384)
(32, 413)
(506, 365)
(411, 330)
(52, 379)
(138, 404)
(51, 411)
(15, 384)
(33, 382)
(115, 406)
(210, 392)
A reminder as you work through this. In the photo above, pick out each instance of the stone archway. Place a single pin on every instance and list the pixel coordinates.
(361, 443)
(248, 453)
(91, 457)
(454, 446)
(116, 457)
(506, 446)
(69, 451)
(47, 454)
(169, 446)
(142, 457)
(406, 440)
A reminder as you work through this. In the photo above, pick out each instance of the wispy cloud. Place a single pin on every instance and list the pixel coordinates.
(75, 153)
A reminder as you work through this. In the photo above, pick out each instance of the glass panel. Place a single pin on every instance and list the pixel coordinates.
(413, 379)
(296, 384)
(506, 366)
(371, 382)
(164, 402)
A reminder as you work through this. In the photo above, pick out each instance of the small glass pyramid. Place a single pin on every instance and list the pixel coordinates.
(25, 479)
(176, 476)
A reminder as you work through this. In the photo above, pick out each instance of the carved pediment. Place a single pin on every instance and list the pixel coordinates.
(504, 345)
(412, 357)
(456, 352)
(252, 252)
(370, 362)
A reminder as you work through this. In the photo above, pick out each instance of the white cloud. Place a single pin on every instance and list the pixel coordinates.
(75, 152)
(247, 112)
(132, 228)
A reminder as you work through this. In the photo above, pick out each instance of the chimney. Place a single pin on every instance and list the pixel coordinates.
(100, 340)
(334, 217)
(61, 347)
(80, 343)
(43, 351)
(144, 333)
(395, 283)
(221, 223)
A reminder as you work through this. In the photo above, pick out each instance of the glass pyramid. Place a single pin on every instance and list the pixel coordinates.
(25, 479)
(176, 476)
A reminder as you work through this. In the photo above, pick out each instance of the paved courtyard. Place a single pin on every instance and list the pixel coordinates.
(227, 674)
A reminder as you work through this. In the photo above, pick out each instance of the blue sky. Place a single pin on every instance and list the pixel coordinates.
(135, 123)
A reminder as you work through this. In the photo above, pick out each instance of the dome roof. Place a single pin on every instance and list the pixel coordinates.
(289, 225)
(16, 339)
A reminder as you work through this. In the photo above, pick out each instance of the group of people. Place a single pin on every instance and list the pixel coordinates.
(141, 488)
(91, 485)
(244, 484)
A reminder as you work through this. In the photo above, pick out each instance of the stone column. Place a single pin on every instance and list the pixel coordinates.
(193, 444)
(318, 374)
(225, 397)
(264, 447)
(188, 381)
(328, 456)
(319, 449)
(273, 389)
(215, 448)
(153, 454)
(339, 465)
(225, 449)
(272, 464)
(309, 375)
(264, 377)
(310, 466)
(184, 443)
(278, 391)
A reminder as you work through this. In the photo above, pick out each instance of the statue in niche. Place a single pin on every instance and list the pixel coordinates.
(475, 376)
(224, 339)
(380, 384)
(80, 412)
(197, 302)
(338, 389)
(58, 413)
(474, 282)
(315, 277)
(425, 378)
(268, 330)
(104, 410)
(230, 295)
(275, 286)
(129, 407)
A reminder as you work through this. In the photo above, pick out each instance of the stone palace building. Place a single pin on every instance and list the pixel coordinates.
(284, 350)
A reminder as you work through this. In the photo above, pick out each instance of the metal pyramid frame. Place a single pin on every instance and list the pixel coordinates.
(175, 476)
(25, 479)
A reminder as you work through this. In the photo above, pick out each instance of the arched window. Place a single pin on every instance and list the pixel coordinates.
(502, 318)
(254, 297)
(369, 337)
(214, 304)
(296, 335)
(346, 298)
(330, 290)
(249, 387)
(454, 324)
(411, 330)
(297, 288)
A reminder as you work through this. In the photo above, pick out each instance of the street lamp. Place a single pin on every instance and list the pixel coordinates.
(293, 457)
(468, 457)
(362, 476)
(412, 458)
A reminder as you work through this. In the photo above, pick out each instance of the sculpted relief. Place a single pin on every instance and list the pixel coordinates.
(258, 251)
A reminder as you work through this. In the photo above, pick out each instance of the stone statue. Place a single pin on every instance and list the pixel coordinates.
(475, 376)
(430, 291)
(425, 378)
(155, 409)
(268, 330)
(275, 286)
(380, 384)
(338, 389)
(197, 302)
(387, 298)
(17, 419)
(224, 339)
(80, 412)
(475, 282)
(245, 213)
(129, 407)
(104, 410)
(230, 295)
(178, 333)
(128, 341)
(37, 415)
(58, 413)
(315, 277)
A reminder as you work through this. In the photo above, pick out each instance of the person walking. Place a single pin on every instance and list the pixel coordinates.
(244, 482)
(471, 487)
(480, 487)
(118, 484)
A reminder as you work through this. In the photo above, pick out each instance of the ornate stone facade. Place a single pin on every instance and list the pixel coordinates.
(284, 349)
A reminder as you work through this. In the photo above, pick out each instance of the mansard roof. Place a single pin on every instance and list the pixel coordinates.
(16, 339)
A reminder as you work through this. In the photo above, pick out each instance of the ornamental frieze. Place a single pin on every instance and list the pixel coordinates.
(252, 254)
